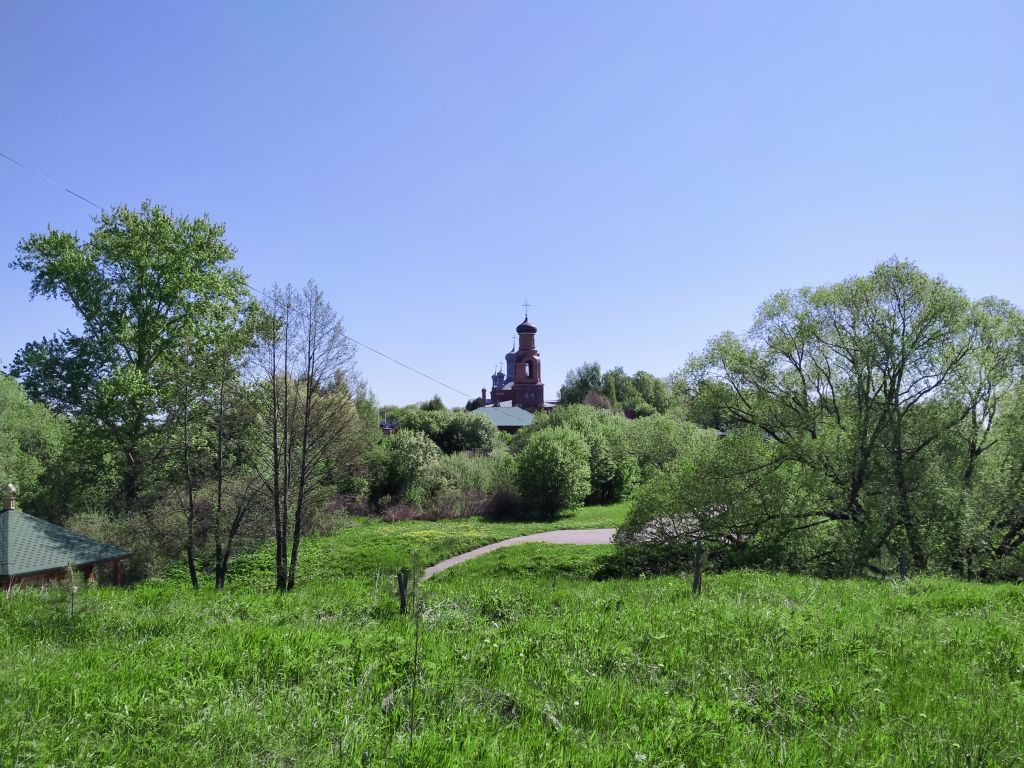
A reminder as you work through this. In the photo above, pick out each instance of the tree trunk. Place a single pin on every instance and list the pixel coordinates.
(190, 541)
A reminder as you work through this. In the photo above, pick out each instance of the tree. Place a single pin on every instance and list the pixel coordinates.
(142, 283)
(432, 423)
(434, 404)
(580, 381)
(31, 439)
(306, 368)
(860, 384)
(656, 441)
(204, 392)
(468, 432)
(613, 466)
(714, 492)
(553, 470)
(642, 393)
(652, 391)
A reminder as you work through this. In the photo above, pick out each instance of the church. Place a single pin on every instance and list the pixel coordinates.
(519, 386)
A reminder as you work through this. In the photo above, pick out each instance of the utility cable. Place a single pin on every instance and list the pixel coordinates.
(267, 296)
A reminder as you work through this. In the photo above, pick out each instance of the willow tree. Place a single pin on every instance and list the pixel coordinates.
(862, 384)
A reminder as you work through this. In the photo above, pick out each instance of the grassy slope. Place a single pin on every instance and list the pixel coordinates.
(524, 660)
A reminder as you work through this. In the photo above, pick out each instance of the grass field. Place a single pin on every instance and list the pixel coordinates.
(521, 658)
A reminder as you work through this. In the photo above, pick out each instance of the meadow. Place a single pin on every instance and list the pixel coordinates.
(520, 658)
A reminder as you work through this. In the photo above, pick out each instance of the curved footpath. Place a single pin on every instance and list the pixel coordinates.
(579, 536)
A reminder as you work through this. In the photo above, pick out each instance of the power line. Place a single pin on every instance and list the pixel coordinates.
(55, 183)
(386, 356)
(267, 296)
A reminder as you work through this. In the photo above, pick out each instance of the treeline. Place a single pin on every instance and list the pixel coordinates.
(441, 463)
(872, 425)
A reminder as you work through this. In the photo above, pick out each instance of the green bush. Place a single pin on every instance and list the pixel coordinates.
(710, 493)
(453, 432)
(613, 469)
(553, 471)
(406, 467)
(468, 432)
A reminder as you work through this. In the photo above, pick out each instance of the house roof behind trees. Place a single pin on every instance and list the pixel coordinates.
(506, 417)
(29, 545)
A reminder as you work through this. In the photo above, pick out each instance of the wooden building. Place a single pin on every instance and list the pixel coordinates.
(34, 551)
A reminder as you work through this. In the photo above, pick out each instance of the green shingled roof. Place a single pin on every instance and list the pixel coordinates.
(30, 545)
(506, 416)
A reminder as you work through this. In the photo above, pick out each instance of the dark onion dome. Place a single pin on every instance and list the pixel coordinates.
(526, 326)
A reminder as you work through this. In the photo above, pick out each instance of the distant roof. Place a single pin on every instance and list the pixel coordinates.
(30, 545)
(512, 416)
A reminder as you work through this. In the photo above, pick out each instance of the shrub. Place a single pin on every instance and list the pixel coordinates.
(553, 471)
(710, 492)
(613, 470)
(468, 432)
(406, 466)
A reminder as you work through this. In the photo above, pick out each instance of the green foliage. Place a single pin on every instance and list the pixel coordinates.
(580, 381)
(434, 404)
(150, 290)
(31, 442)
(452, 431)
(715, 493)
(406, 466)
(613, 466)
(430, 423)
(650, 392)
(641, 393)
(656, 441)
(553, 470)
(469, 432)
(884, 396)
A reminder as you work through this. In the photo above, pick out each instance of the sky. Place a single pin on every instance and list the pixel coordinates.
(643, 174)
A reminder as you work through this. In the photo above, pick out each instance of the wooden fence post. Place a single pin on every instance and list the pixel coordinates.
(403, 583)
(696, 566)
(903, 565)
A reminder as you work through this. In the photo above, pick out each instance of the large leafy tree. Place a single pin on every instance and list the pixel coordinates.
(144, 284)
(869, 386)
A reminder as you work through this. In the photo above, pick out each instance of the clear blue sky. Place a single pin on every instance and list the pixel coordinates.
(645, 174)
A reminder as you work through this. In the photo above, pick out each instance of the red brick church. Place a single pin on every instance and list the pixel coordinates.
(520, 385)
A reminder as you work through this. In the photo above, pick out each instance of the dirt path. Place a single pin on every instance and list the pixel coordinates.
(582, 536)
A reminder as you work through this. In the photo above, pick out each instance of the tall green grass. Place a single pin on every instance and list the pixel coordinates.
(525, 660)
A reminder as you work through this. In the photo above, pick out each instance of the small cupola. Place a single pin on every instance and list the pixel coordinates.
(526, 326)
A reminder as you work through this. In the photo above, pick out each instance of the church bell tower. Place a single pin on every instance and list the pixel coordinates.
(527, 388)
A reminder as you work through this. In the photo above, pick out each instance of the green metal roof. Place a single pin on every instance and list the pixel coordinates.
(30, 545)
(513, 416)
